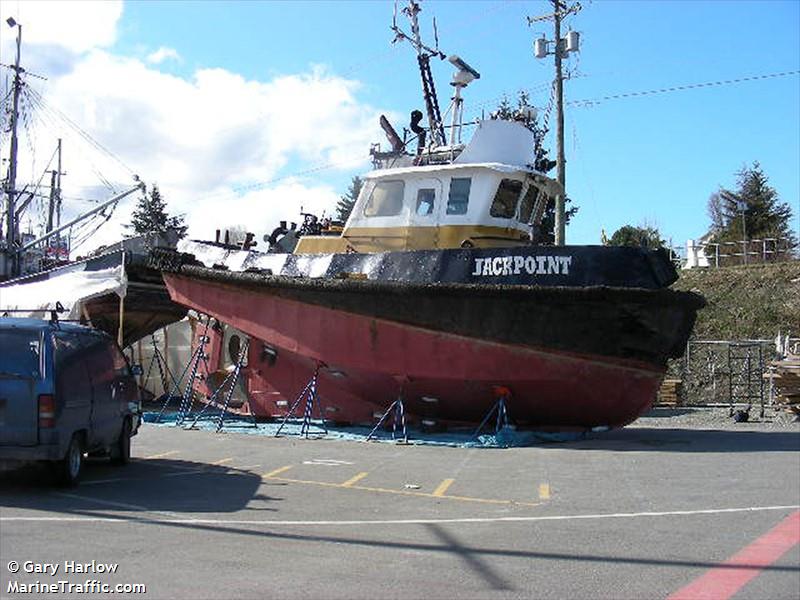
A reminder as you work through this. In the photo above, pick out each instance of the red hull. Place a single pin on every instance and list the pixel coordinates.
(367, 360)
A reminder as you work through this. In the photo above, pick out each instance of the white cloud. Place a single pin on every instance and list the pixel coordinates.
(163, 54)
(206, 141)
(75, 25)
(212, 142)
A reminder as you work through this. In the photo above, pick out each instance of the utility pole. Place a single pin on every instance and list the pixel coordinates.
(742, 205)
(560, 226)
(11, 181)
(561, 48)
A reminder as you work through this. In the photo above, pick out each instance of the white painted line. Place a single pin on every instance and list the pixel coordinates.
(124, 505)
(162, 455)
(266, 523)
(327, 462)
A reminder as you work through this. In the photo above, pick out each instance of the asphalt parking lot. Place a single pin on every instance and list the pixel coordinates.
(645, 512)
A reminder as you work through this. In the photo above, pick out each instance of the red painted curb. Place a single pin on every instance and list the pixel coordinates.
(723, 582)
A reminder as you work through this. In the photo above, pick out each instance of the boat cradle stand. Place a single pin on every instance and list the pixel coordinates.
(187, 398)
(503, 395)
(166, 376)
(397, 410)
(229, 382)
(311, 397)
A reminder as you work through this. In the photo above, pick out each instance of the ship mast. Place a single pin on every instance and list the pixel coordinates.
(54, 206)
(11, 180)
(424, 54)
(11, 251)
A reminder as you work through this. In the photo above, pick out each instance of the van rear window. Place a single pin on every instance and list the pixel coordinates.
(20, 353)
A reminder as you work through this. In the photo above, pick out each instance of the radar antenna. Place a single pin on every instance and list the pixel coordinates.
(424, 54)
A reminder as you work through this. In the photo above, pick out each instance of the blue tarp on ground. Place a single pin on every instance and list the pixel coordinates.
(507, 437)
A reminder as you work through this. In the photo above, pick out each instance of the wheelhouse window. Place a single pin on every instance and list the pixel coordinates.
(425, 200)
(458, 199)
(386, 199)
(528, 202)
(506, 199)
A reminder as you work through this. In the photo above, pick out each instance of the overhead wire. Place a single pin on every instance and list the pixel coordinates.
(85, 135)
(545, 120)
(57, 123)
(49, 117)
(316, 169)
(34, 191)
(86, 236)
(680, 88)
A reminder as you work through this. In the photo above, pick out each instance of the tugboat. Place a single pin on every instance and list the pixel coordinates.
(434, 291)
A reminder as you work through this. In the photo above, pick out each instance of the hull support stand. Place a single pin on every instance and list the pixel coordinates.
(503, 394)
(166, 376)
(186, 399)
(311, 397)
(230, 382)
(397, 410)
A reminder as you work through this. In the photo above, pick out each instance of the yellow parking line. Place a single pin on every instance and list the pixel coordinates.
(439, 491)
(222, 462)
(276, 472)
(162, 455)
(544, 491)
(399, 492)
(356, 479)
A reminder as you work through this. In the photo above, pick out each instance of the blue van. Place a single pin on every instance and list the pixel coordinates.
(65, 391)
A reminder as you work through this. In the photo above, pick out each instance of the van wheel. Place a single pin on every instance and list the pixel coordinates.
(69, 468)
(121, 451)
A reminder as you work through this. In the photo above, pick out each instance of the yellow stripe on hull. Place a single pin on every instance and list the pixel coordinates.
(380, 239)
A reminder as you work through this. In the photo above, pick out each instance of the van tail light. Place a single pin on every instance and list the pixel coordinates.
(47, 410)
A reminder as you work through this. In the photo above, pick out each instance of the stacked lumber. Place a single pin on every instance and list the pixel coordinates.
(786, 379)
(669, 393)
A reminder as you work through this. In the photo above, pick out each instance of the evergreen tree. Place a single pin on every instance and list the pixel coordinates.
(752, 210)
(546, 233)
(644, 236)
(345, 205)
(150, 216)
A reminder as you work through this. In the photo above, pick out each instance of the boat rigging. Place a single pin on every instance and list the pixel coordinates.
(25, 252)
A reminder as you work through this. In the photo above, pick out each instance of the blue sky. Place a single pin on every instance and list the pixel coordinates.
(650, 159)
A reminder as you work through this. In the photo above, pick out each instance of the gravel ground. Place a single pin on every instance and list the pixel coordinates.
(717, 418)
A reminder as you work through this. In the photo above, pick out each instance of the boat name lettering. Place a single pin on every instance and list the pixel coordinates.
(514, 265)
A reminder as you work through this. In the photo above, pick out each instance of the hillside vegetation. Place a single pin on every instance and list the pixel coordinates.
(746, 302)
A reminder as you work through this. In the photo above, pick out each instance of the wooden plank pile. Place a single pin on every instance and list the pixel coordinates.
(786, 382)
(669, 393)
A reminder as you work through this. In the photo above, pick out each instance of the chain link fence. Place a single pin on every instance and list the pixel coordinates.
(729, 372)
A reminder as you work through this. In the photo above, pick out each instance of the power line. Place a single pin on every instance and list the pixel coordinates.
(85, 135)
(680, 88)
(262, 184)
